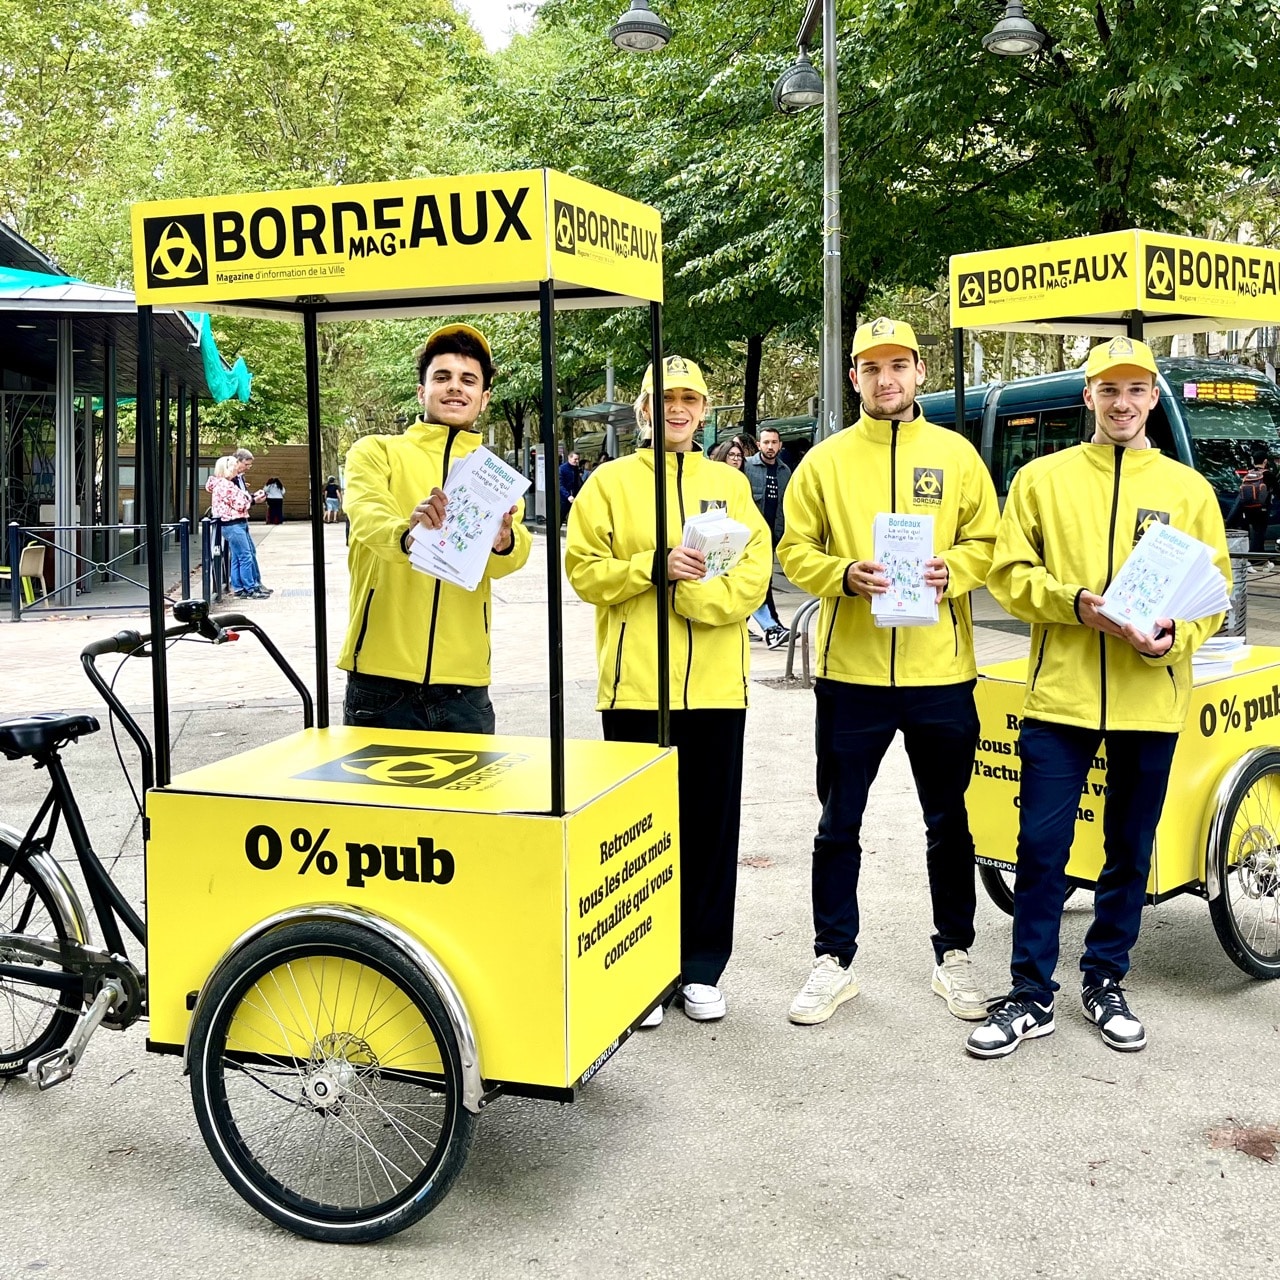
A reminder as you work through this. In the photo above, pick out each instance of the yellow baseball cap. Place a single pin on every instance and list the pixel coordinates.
(884, 332)
(448, 330)
(677, 372)
(1119, 351)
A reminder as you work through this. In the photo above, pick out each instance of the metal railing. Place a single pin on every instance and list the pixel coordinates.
(85, 567)
(800, 630)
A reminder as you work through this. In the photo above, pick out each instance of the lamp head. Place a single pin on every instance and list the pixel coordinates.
(799, 86)
(639, 30)
(1014, 36)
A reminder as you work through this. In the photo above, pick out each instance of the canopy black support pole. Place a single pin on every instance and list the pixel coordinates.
(310, 339)
(660, 534)
(1138, 325)
(551, 487)
(957, 365)
(149, 487)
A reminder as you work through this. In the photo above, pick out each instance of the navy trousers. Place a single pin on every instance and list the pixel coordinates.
(856, 723)
(1055, 762)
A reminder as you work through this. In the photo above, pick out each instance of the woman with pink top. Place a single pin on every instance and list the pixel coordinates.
(230, 506)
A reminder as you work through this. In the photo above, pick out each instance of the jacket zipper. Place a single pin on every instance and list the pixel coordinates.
(1035, 675)
(617, 667)
(893, 507)
(1173, 681)
(742, 660)
(955, 626)
(435, 595)
(831, 630)
(484, 605)
(688, 625)
(1111, 551)
(364, 626)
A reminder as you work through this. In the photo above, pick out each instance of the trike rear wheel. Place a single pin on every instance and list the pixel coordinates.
(34, 1019)
(1246, 855)
(327, 1083)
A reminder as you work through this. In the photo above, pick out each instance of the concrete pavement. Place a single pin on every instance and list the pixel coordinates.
(869, 1145)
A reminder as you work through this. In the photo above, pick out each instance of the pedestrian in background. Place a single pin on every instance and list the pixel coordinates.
(769, 476)
(274, 491)
(332, 500)
(229, 505)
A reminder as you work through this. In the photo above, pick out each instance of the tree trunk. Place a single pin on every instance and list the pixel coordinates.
(1006, 360)
(751, 384)
(1201, 341)
(853, 295)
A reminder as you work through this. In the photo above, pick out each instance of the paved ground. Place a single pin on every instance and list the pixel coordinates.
(871, 1145)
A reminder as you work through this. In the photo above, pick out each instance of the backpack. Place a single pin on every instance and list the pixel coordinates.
(1254, 494)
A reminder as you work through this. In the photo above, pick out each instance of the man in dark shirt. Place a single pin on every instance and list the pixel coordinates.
(570, 483)
(769, 475)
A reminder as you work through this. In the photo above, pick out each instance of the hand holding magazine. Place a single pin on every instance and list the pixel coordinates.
(481, 489)
(903, 544)
(719, 537)
(1169, 574)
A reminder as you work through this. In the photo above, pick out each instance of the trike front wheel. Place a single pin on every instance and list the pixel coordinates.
(327, 1083)
(1246, 868)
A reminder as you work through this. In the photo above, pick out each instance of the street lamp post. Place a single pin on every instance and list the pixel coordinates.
(796, 89)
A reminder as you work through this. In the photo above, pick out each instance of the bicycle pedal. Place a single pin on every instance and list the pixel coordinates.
(51, 1068)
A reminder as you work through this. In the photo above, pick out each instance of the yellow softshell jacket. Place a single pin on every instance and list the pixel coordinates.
(610, 560)
(405, 624)
(835, 494)
(1069, 523)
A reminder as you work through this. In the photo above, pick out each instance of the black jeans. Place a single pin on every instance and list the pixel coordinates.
(856, 724)
(709, 771)
(378, 702)
(1055, 760)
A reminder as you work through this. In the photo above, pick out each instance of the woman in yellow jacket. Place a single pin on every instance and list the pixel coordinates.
(612, 563)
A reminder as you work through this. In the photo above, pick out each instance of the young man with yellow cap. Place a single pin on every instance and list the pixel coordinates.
(872, 681)
(1070, 521)
(417, 649)
(612, 563)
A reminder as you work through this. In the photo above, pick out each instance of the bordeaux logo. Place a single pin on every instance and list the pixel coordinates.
(1159, 274)
(566, 241)
(971, 291)
(400, 766)
(927, 490)
(1146, 518)
(175, 251)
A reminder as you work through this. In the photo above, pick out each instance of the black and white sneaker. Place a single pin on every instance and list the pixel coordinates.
(1106, 1006)
(1011, 1022)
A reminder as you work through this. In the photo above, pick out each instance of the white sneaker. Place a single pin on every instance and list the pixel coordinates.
(702, 1002)
(953, 980)
(828, 987)
(653, 1018)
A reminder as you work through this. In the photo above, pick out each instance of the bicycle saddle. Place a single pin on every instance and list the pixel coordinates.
(31, 735)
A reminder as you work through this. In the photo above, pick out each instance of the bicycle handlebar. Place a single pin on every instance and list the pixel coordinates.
(193, 617)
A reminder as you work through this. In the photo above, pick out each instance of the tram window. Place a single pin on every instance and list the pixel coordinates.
(1014, 445)
(1060, 429)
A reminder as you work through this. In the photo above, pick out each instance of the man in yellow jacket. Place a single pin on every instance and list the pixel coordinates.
(612, 563)
(417, 649)
(873, 681)
(1070, 521)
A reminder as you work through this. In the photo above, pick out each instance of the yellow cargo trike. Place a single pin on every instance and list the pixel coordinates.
(358, 938)
(1219, 833)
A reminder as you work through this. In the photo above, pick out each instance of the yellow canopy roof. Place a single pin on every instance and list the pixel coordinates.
(429, 246)
(1093, 283)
